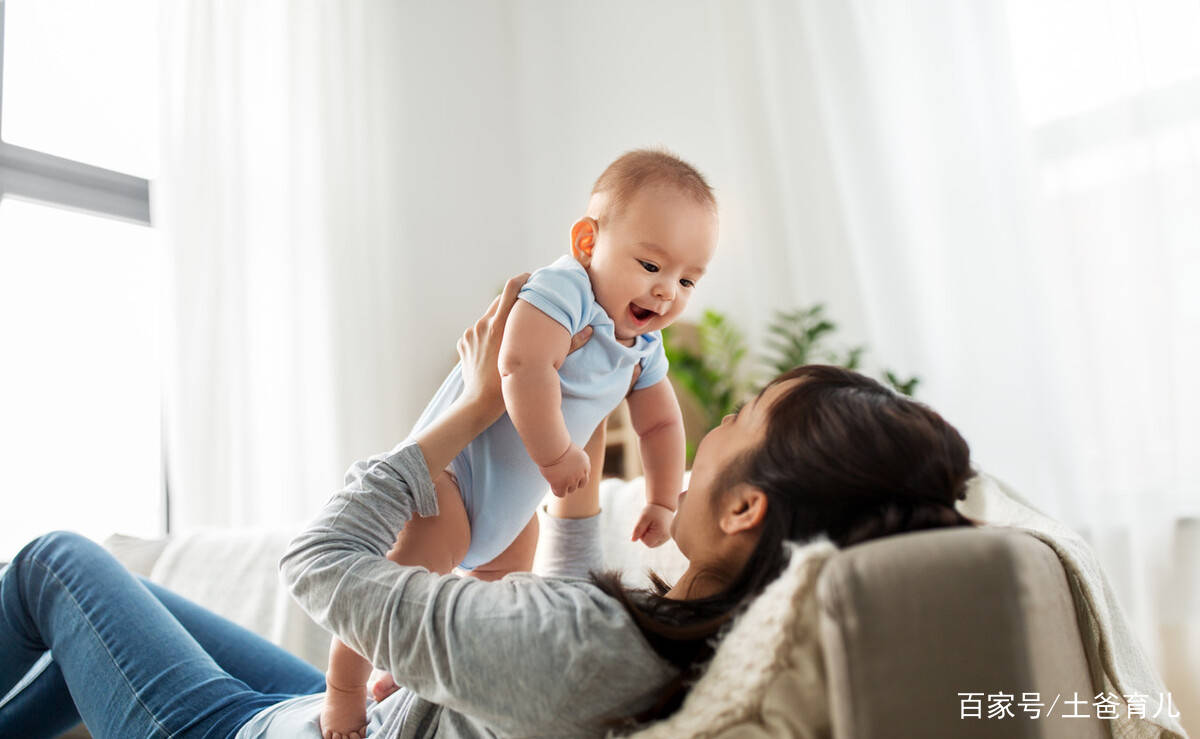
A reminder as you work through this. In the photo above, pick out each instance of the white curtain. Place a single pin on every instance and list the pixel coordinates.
(1114, 131)
(998, 197)
(337, 200)
(277, 256)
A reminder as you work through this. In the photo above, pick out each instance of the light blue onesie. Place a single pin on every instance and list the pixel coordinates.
(501, 486)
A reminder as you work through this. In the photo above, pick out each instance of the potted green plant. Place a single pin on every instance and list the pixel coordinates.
(708, 360)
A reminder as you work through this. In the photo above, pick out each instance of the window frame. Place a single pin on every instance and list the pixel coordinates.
(51, 180)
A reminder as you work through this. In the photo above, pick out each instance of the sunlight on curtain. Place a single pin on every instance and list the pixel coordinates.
(275, 198)
(1111, 95)
(1076, 56)
(1115, 127)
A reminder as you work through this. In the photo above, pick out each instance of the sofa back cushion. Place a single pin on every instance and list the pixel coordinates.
(911, 622)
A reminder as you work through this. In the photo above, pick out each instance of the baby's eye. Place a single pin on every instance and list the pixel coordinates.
(687, 283)
(649, 266)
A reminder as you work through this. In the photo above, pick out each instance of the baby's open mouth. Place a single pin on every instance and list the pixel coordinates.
(641, 314)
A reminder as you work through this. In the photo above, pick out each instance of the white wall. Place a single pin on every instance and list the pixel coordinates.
(509, 111)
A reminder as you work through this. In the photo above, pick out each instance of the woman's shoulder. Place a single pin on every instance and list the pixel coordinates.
(545, 642)
(581, 619)
(566, 596)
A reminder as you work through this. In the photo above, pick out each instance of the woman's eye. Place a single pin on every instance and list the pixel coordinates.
(649, 266)
(687, 283)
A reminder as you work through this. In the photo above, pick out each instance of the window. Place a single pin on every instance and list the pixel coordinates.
(80, 430)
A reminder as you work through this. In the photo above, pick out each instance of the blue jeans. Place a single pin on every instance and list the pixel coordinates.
(131, 658)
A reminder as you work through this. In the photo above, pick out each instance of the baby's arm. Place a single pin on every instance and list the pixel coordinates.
(533, 349)
(658, 423)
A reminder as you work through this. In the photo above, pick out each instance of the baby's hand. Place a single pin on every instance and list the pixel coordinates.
(569, 472)
(381, 684)
(654, 525)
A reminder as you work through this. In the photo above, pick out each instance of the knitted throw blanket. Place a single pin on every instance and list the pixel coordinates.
(1114, 655)
(776, 637)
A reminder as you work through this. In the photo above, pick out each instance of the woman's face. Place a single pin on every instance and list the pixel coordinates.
(696, 526)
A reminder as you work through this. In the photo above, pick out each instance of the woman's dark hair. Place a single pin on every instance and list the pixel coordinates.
(841, 456)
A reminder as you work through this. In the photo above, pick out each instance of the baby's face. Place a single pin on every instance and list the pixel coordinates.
(647, 260)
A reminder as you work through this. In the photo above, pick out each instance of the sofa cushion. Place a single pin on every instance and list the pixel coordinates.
(909, 622)
(235, 573)
(137, 554)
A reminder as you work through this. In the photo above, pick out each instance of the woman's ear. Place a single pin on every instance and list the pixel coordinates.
(744, 510)
(583, 239)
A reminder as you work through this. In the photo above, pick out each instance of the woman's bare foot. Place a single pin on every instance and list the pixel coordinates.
(344, 714)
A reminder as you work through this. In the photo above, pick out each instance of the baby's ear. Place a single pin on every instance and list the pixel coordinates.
(583, 239)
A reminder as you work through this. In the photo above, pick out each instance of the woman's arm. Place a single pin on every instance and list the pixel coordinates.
(357, 526)
(514, 654)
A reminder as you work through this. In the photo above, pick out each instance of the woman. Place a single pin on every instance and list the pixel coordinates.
(818, 451)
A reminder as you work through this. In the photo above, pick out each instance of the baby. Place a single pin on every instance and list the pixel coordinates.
(636, 256)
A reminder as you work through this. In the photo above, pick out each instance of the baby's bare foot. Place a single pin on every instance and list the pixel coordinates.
(344, 715)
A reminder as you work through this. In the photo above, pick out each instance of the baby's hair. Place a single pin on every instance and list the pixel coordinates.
(642, 168)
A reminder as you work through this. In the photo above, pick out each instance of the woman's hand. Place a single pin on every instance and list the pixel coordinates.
(479, 349)
(481, 402)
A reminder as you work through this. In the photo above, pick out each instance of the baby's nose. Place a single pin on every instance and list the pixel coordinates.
(664, 290)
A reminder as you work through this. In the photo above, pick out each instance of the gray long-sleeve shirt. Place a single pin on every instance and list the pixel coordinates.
(524, 656)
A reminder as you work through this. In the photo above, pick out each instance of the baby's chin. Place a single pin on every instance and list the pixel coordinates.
(627, 331)
(629, 338)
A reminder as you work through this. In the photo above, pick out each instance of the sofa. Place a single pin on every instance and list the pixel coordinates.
(918, 630)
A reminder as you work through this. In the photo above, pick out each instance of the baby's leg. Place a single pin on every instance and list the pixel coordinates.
(585, 502)
(518, 557)
(437, 543)
(579, 504)
(440, 542)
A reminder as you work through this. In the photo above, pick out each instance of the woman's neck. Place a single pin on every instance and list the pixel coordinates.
(697, 583)
(715, 569)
